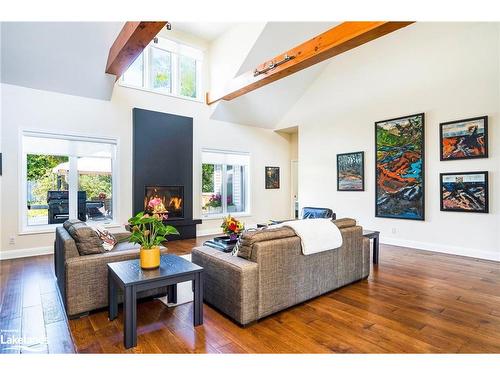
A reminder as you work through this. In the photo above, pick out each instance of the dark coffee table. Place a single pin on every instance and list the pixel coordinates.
(129, 277)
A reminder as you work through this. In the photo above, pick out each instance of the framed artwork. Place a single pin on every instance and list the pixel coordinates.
(399, 168)
(464, 192)
(350, 171)
(464, 139)
(272, 177)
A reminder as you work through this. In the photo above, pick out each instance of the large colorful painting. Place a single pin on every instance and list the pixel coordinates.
(464, 139)
(350, 171)
(399, 168)
(464, 192)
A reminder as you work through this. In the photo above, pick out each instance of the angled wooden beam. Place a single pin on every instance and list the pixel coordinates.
(339, 39)
(129, 44)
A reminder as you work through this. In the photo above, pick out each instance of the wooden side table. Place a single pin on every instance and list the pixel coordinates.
(373, 235)
(129, 277)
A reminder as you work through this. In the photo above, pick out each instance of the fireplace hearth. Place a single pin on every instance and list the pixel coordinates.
(171, 198)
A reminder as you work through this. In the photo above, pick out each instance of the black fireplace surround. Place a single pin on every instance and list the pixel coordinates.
(163, 166)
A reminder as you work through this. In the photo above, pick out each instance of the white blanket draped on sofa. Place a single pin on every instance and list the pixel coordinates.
(316, 235)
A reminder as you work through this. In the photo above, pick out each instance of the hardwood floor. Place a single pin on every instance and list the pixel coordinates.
(413, 302)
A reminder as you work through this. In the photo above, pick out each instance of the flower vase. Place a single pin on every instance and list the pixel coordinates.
(233, 236)
(150, 258)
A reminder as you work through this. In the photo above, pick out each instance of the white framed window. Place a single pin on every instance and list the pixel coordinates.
(167, 67)
(67, 177)
(225, 183)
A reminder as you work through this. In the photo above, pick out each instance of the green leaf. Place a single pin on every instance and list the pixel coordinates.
(171, 230)
(159, 240)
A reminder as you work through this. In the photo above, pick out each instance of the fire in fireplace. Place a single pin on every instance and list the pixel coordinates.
(171, 198)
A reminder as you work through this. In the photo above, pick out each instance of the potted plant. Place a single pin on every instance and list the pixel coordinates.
(149, 231)
(232, 227)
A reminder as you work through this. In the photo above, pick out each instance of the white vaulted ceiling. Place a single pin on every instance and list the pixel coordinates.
(264, 107)
(65, 57)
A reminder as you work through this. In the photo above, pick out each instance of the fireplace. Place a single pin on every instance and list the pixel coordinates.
(171, 199)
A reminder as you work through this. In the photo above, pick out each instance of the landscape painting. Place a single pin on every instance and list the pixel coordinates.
(464, 139)
(272, 177)
(350, 171)
(399, 168)
(464, 192)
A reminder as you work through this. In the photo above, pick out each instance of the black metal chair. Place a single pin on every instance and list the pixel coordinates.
(317, 213)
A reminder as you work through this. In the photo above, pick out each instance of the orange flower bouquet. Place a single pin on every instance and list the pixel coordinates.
(232, 227)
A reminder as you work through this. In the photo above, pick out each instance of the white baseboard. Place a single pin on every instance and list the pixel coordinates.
(455, 250)
(23, 253)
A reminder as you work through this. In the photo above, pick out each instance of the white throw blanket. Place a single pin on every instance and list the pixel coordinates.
(316, 235)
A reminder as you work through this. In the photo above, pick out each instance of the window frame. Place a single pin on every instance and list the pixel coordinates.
(176, 49)
(246, 186)
(24, 228)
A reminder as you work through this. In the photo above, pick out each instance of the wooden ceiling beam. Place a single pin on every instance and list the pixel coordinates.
(133, 38)
(339, 39)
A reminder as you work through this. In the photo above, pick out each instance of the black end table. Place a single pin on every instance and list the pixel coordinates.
(129, 277)
(373, 235)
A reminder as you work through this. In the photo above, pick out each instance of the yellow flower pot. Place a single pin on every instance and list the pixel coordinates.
(150, 258)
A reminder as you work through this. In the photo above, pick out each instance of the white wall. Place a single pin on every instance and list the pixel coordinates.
(25, 108)
(449, 71)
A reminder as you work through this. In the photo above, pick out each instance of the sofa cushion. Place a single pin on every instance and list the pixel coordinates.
(248, 239)
(344, 223)
(122, 246)
(86, 239)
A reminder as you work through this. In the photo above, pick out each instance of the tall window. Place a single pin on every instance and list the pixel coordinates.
(167, 67)
(67, 177)
(224, 183)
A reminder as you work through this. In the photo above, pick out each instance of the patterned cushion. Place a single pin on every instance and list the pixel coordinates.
(108, 239)
(86, 239)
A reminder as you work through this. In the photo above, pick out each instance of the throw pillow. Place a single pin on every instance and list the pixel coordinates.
(108, 240)
(69, 223)
(236, 247)
(86, 239)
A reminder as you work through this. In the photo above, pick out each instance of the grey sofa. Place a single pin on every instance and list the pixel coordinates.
(275, 274)
(83, 279)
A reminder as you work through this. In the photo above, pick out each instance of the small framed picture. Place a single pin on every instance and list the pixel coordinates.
(464, 192)
(272, 177)
(464, 139)
(350, 171)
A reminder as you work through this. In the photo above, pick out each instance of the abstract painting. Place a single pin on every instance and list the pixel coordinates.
(464, 139)
(350, 171)
(464, 192)
(399, 168)
(272, 177)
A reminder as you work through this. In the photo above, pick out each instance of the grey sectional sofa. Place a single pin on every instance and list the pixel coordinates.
(272, 274)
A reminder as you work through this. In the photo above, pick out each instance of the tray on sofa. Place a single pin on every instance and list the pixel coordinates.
(225, 240)
(225, 247)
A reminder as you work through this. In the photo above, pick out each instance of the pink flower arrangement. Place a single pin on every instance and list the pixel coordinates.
(156, 207)
(154, 202)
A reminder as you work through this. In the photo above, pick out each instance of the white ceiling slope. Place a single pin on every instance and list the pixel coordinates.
(264, 107)
(65, 57)
(207, 31)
